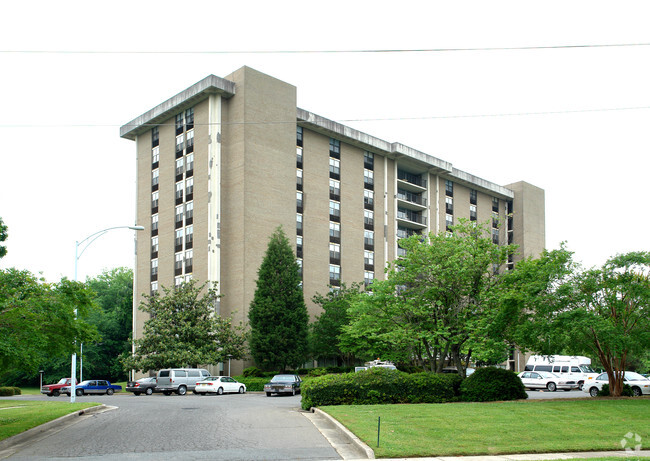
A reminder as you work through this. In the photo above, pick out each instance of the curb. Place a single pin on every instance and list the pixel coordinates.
(353, 439)
(35, 431)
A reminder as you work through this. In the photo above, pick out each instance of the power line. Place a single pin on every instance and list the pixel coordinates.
(386, 119)
(352, 51)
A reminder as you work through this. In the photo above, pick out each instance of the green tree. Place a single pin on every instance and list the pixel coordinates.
(436, 298)
(599, 312)
(278, 315)
(4, 233)
(184, 329)
(38, 321)
(328, 327)
(114, 294)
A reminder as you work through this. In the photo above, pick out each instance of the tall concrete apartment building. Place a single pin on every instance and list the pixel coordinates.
(225, 162)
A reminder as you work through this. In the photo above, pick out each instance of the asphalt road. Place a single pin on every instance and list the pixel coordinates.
(557, 394)
(234, 427)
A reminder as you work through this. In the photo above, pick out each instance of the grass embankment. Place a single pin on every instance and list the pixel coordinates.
(17, 416)
(542, 426)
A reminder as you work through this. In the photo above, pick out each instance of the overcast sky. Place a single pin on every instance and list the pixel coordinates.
(573, 120)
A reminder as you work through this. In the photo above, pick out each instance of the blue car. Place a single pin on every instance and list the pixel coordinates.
(93, 386)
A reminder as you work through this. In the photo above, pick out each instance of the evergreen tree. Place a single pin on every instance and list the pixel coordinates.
(278, 315)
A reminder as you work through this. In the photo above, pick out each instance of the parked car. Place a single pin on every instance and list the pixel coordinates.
(640, 384)
(94, 386)
(283, 384)
(54, 390)
(179, 380)
(142, 386)
(219, 385)
(571, 367)
(546, 380)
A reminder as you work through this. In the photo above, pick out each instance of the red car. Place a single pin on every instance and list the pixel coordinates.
(55, 389)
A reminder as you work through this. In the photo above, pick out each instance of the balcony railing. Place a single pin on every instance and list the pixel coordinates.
(411, 178)
(411, 216)
(411, 197)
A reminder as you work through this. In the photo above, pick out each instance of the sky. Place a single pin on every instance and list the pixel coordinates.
(555, 93)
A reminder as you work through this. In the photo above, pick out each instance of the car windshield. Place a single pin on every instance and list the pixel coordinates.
(632, 376)
(282, 378)
(63, 381)
(83, 383)
(145, 380)
(586, 369)
(210, 378)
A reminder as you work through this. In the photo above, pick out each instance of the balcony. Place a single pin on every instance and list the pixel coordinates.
(410, 200)
(414, 180)
(411, 219)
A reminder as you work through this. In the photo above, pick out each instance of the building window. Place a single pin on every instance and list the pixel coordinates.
(299, 246)
(335, 253)
(298, 224)
(335, 232)
(369, 239)
(472, 212)
(155, 137)
(335, 168)
(178, 239)
(368, 179)
(178, 281)
(189, 260)
(154, 224)
(298, 179)
(155, 177)
(189, 164)
(179, 215)
(299, 157)
(495, 220)
(154, 287)
(335, 189)
(369, 258)
(335, 275)
(178, 263)
(155, 155)
(449, 188)
(449, 221)
(299, 136)
(495, 236)
(449, 205)
(369, 160)
(368, 199)
(179, 192)
(495, 204)
(189, 118)
(189, 143)
(179, 167)
(180, 126)
(299, 201)
(154, 268)
(154, 247)
(179, 145)
(299, 262)
(189, 212)
(472, 196)
(335, 211)
(335, 148)
(189, 188)
(368, 219)
(154, 201)
(189, 236)
(368, 277)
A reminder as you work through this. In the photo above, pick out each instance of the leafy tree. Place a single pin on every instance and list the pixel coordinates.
(278, 315)
(328, 327)
(436, 298)
(3, 236)
(599, 312)
(114, 294)
(184, 330)
(38, 321)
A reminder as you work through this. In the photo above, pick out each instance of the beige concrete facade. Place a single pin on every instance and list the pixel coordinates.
(240, 134)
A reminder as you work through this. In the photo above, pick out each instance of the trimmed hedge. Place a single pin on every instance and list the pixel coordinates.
(253, 384)
(492, 384)
(379, 386)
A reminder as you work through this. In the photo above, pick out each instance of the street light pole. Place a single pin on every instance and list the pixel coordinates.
(88, 240)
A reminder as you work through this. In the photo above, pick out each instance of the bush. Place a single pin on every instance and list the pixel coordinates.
(252, 372)
(491, 384)
(626, 392)
(6, 391)
(317, 372)
(17, 391)
(253, 383)
(378, 386)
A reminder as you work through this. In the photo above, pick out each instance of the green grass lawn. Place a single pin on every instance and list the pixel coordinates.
(17, 416)
(540, 426)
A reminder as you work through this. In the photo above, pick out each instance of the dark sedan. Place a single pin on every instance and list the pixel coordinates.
(145, 386)
(283, 384)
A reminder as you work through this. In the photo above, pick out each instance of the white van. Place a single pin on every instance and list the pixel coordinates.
(576, 367)
(179, 380)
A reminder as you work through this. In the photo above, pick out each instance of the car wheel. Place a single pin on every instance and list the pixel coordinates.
(293, 391)
(593, 391)
(241, 390)
(201, 393)
(551, 386)
(109, 391)
(636, 391)
(580, 384)
(136, 393)
(68, 395)
(149, 391)
(220, 391)
(182, 390)
(78, 392)
(268, 394)
(567, 390)
(56, 393)
(167, 392)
